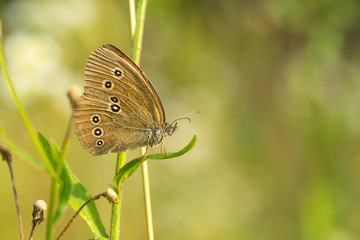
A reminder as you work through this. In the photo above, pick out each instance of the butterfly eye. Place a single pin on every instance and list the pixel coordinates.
(107, 84)
(115, 108)
(95, 119)
(99, 143)
(114, 99)
(118, 73)
(98, 132)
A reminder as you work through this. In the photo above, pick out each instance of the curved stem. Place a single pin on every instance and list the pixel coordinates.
(77, 213)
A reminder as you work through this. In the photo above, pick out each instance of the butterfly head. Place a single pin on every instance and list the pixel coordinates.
(169, 129)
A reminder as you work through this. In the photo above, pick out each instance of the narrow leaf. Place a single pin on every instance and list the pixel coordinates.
(47, 147)
(134, 164)
(64, 178)
(79, 194)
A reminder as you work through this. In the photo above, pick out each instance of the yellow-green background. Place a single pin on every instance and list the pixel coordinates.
(278, 86)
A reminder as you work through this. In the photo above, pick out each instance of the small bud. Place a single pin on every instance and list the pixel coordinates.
(111, 195)
(39, 215)
(39, 212)
(5, 153)
(74, 96)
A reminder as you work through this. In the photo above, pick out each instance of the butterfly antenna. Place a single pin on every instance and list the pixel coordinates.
(184, 117)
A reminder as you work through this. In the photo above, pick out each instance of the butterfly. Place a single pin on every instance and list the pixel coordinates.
(119, 109)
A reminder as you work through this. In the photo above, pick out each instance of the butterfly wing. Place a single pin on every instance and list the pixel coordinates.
(119, 106)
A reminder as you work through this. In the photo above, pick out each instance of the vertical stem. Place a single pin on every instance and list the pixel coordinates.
(136, 53)
(54, 185)
(51, 209)
(136, 37)
(146, 188)
(16, 201)
(132, 19)
(116, 208)
(139, 31)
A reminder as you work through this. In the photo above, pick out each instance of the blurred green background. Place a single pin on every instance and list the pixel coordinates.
(278, 86)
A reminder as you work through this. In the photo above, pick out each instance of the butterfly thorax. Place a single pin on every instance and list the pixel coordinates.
(158, 133)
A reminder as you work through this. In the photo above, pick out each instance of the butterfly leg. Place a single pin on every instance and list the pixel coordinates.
(146, 150)
(162, 148)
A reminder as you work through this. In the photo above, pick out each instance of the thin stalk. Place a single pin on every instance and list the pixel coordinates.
(146, 189)
(77, 213)
(139, 31)
(132, 18)
(136, 53)
(33, 227)
(66, 140)
(21, 230)
(51, 209)
(6, 156)
(116, 208)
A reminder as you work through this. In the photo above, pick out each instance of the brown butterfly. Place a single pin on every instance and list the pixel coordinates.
(119, 109)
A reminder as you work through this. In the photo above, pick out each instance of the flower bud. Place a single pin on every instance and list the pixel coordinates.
(111, 195)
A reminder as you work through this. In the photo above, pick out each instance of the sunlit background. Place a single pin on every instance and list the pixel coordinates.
(278, 87)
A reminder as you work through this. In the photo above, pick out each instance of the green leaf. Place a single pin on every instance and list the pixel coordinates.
(187, 148)
(97, 238)
(64, 194)
(64, 178)
(47, 147)
(89, 213)
(72, 191)
(134, 164)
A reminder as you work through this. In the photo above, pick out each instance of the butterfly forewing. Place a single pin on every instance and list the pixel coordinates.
(118, 106)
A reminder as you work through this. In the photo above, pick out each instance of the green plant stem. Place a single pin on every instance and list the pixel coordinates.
(51, 209)
(116, 208)
(54, 183)
(22, 112)
(135, 55)
(139, 31)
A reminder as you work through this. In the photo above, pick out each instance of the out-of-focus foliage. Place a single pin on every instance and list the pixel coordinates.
(278, 86)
